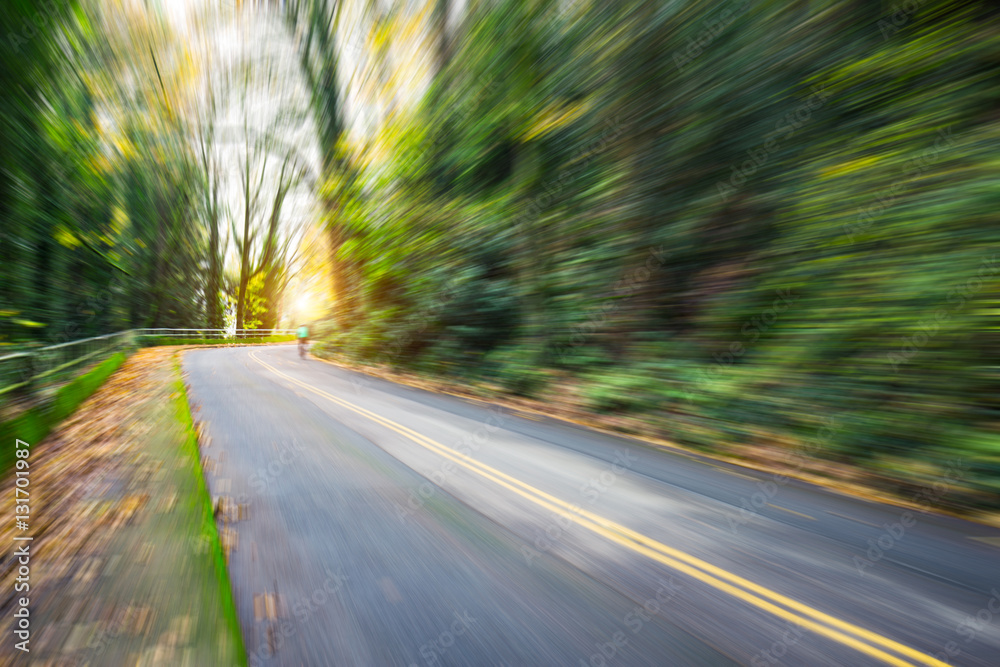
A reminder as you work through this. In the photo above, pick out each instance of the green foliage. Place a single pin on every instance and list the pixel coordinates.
(98, 182)
(34, 424)
(517, 369)
(73, 394)
(255, 303)
(731, 219)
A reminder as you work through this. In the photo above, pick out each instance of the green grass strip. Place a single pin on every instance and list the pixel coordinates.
(208, 527)
(34, 424)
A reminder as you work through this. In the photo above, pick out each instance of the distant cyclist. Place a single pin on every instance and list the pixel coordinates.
(303, 335)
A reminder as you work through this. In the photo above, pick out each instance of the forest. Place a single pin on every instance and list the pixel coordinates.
(750, 226)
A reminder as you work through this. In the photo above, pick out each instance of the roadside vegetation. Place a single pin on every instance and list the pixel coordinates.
(738, 224)
(114, 163)
(202, 526)
(752, 228)
(33, 424)
(120, 508)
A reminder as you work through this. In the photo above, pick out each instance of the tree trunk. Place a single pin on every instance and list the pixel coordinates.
(213, 310)
(244, 271)
(245, 247)
(338, 274)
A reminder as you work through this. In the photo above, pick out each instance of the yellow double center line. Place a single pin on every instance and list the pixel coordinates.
(783, 607)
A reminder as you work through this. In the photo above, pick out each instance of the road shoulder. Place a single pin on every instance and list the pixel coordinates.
(839, 478)
(126, 562)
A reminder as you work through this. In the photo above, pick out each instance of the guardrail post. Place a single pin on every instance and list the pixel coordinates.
(27, 376)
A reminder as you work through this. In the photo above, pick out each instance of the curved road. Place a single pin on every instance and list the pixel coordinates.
(378, 524)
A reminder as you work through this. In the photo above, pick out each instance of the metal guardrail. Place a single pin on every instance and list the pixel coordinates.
(32, 368)
(228, 334)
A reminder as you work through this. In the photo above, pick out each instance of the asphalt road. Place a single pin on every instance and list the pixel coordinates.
(386, 525)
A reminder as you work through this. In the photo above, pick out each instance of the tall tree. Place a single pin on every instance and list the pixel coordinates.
(314, 25)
